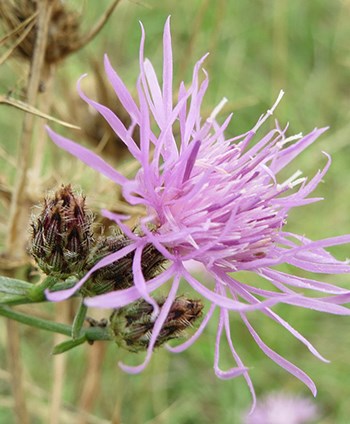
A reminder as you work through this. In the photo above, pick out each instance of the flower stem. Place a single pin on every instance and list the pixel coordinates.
(22, 293)
(91, 334)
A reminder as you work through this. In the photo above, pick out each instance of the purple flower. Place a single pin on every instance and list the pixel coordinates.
(217, 201)
(277, 408)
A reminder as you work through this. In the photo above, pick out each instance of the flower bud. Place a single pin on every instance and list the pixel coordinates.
(132, 325)
(62, 236)
(118, 275)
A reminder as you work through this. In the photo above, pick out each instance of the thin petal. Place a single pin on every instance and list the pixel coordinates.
(164, 312)
(115, 123)
(124, 297)
(233, 372)
(244, 292)
(87, 156)
(139, 279)
(196, 335)
(167, 69)
(107, 260)
(291, 152)
(227, 303)
(282, 362)
(121, 91)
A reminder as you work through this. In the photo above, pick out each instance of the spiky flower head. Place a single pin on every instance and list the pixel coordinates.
(61, 234)
(218, 201)
(132, 325)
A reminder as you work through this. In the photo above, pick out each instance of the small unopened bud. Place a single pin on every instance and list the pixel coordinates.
(132, 325)
(62, 234)
(118, 275)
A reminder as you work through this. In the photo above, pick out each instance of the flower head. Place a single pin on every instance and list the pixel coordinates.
(277, 408)
(215, 200)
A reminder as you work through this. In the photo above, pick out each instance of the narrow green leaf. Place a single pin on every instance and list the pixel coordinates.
(14, 286)
(79, 320)
(68, 345)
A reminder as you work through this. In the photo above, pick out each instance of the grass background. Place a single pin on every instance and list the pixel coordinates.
(256, 48)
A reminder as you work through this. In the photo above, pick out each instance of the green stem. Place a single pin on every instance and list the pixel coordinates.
(12, 300)
(91, 334)
(55, 327)
(37, 292)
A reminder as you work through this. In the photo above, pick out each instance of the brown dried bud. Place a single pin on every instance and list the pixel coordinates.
(132, 325)
(118, 275)
(63, 34)
(62, 234)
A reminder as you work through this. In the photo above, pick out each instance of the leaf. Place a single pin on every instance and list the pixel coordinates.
(68, 345)
(13, 286)
(63, 285)
(79, 320)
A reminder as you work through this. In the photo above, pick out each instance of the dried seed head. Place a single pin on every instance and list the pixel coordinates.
(63, 34)
(132, 325)
(118, 275)
(62, 235)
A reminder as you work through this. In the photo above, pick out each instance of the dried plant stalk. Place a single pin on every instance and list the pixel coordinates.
(45, 104)
(15, 368)
(18, 211)
(59, 367)
(92, 381)
(83, 41)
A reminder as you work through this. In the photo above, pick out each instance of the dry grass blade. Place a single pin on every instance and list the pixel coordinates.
(9, 52)
(34, 111)
(97, 28)
(18, 28)
(5, 156)
(16, 15)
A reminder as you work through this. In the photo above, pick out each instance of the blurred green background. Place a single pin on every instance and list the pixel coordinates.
(256, 48)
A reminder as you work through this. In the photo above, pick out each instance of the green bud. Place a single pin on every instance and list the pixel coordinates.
(132, 325)
(61, 236)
